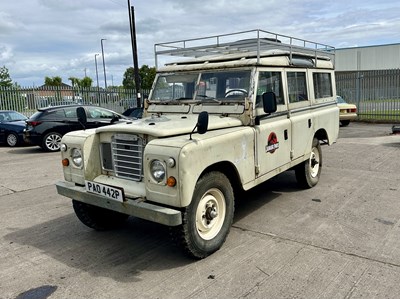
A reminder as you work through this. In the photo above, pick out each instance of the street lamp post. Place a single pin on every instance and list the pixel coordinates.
(97, 73)
(104, 64)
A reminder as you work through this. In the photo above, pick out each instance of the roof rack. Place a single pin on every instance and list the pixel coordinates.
(246, 43)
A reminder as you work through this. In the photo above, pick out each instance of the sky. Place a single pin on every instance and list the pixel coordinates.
(40, 38)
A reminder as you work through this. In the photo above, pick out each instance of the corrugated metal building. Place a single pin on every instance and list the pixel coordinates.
(370, 78)
(381, 57)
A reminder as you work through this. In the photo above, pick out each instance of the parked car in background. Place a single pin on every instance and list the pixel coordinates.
(347, 112)
(47, 126)
(12, 125)
(134, 113)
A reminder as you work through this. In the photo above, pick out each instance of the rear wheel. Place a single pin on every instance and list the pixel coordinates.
(98, 218)
(207, 220)
(308, 172)
(344, 123)
(12, 139)
(52, 142)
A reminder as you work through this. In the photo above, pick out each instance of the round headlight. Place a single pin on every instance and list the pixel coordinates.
(157, 170)
(76, 155)
(63, 147)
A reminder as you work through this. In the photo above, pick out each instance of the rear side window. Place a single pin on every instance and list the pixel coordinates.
(322, 85)
(53, 115)
(70, 112)
(297, 86)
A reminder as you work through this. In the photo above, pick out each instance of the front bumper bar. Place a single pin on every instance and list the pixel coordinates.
(137, 208)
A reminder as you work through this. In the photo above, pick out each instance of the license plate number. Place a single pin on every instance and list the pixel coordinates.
(105, 190)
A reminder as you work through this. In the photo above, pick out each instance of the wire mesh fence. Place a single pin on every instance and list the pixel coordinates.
(376, 93)
(28, 100)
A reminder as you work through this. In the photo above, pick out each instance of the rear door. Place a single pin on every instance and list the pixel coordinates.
(273, 135)
(300, 112)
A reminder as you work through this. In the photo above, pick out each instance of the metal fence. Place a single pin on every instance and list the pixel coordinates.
(28, 100)
(376, 93)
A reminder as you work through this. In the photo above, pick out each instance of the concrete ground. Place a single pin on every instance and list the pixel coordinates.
(340, 239)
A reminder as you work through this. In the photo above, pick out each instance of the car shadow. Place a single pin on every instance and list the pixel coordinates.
(123, 254)
(26, 150)
(120, 254)
(254, 199)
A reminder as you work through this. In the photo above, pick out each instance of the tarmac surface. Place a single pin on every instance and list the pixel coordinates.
(340, 239)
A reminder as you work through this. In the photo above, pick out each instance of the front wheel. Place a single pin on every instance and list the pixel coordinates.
(98, 218)
(309, 171)
(207, 220)
(12, 139)
(52, 142)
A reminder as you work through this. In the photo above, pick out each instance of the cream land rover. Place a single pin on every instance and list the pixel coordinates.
(225, 120)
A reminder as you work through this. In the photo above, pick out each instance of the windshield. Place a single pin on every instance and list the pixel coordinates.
(210, 86)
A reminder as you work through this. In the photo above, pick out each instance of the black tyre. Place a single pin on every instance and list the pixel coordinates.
(12, 139)
(98, 218)
(344, 123)
(308, 172)
(52, 142)
(208, 218)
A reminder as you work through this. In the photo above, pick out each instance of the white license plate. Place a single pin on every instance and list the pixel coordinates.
(105, 190)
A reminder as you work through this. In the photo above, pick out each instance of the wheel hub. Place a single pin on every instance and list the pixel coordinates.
(211, 212)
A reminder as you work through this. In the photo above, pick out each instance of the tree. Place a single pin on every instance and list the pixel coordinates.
(146, 73)
(74, 81)
(5, 79)
(86, 82)
(54, 81)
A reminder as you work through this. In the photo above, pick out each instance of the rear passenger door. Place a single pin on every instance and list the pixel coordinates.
(273, 134)
(71, 119)
(300, 112)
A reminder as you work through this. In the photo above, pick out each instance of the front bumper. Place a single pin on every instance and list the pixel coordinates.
(31, 138)
(133, 207)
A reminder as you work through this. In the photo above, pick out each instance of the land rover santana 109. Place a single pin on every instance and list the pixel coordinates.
(225, 120)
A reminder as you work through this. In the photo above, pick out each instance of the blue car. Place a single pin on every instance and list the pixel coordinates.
(12, 125)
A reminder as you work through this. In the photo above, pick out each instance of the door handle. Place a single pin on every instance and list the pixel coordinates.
(309, 123)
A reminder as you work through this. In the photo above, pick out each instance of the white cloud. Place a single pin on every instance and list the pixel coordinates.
(41, 38)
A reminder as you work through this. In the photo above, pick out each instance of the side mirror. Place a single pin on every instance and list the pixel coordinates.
(269, 102)
(202, 122)
(82, 118)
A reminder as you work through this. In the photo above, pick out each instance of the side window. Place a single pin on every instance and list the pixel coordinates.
(55, 114)
(322, 85)
(96, 112)
(297, 86)
(270, 81)
(70, 112)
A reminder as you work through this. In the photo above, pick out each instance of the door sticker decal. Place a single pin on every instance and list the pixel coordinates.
(273, 143)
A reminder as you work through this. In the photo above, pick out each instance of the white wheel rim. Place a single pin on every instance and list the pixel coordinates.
(11, 140)
(314, 162)
(53, 142)
(210, 214)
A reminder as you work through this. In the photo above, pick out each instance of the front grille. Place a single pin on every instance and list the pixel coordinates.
(127, 156)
